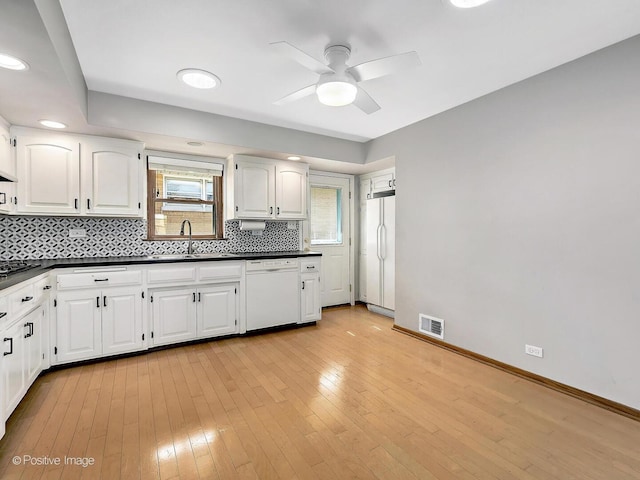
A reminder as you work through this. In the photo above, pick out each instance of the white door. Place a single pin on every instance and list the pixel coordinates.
(110, 180)
(329, 232)
(254, 190)
(291, 191)
(79, 335)
(33, 344)
(216, 313)
(121, 320)
(12, 368)
(174, 316)
(49, 173)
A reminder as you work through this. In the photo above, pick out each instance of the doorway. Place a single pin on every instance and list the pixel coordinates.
(328, 231)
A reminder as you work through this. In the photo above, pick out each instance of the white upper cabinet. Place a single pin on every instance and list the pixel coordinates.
(263, 188)
(111, 174)
(77, 175)
(383, 182)
(291, 191)
(254, 189)
(7, 167)
(48, 175)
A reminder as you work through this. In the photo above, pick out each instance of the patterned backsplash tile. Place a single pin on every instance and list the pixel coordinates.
(48, 237)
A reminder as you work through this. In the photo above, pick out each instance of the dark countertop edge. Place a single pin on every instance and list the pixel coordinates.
(50, 264)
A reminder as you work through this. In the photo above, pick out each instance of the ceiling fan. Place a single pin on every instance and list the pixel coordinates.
(338, 83)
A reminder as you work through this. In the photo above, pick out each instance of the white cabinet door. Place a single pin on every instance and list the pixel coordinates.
(7, 189)
(34, 345)
(48, 169)
(174, 316)
(216, 313)
(291, 191)
(110, 179)
(121, 320)
(310, 309)
(78, 335)
(254, 190)
(13, 367)
(383, 182)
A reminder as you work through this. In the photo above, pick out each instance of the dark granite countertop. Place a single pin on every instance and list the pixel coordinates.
(46, 265)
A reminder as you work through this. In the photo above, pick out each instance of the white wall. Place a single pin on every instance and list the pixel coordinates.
(518, 221)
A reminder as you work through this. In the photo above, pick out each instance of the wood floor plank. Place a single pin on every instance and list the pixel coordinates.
(346, 399)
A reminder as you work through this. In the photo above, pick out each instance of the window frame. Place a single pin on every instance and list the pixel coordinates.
(217, 208)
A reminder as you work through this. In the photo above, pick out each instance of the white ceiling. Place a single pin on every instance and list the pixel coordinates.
(133, 48)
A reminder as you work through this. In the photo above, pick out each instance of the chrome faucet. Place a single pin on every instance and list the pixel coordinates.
(190, 246)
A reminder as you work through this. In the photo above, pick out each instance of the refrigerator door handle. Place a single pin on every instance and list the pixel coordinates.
(383, 242)
(379, 238)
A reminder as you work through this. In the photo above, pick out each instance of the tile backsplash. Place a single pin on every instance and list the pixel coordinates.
(48, 237)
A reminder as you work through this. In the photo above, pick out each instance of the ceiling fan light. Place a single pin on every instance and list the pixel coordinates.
(467, 3)
(336, 94)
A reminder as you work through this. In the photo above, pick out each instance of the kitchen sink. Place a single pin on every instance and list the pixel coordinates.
(182, 256)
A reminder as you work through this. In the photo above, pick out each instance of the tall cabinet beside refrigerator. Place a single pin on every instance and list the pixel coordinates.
(380, 258)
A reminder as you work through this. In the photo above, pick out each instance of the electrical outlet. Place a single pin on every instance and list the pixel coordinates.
(77, 233)
(292, 225)
(533, 350)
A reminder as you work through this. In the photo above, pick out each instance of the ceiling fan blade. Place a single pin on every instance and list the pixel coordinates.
(302, 58)
(384, 66)
(365, 103)
(297, 95)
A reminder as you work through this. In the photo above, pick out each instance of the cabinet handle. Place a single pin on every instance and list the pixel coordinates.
(8, 339)
(194, 297)
(4, 198)
(389, 183)
(100, 279)
(3, 314)
(198, 296)
(303, 285)
(311, 267)
(47, 287)
(31, 329)
(27, 299)
(104, 300)
(97, 302)
(278, 211)
(75, 203)
(270, 210)
(26, 335)
(88, 204)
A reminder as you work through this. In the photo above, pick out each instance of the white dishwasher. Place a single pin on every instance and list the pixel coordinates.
(273, 293)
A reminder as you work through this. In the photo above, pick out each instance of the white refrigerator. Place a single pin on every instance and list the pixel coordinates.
(381, 247)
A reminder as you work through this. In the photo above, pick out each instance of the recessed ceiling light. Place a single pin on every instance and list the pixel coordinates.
(197, 78)
(293, 157)
(12, 63)
(195, 144)
(467, 3)
(52, 124)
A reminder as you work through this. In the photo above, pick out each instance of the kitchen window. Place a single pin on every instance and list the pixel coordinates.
(179, 190)
(326, 223)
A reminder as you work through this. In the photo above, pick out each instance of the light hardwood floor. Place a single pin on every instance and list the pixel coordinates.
(348, 398)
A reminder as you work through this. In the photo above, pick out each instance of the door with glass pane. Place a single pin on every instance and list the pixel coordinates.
(329, 233)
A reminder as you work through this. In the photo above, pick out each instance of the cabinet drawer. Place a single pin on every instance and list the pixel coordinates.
(98, 279)
(220, 270)
(310, 266)
(21, 300)
(171, 275)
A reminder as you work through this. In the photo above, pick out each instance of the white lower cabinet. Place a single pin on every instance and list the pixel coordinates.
(174, 315)
(216, 311)
(78, 326)
(98, 313)
(93, 323)
(310, 309)
(183, 314)
(22, 357)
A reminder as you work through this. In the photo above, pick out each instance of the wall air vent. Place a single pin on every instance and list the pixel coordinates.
(434, 327)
